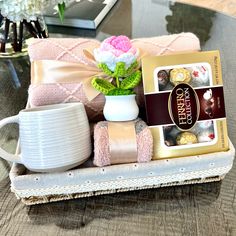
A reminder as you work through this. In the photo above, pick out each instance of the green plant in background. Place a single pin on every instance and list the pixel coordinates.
(123, 80)
(22, 19)
(186, 18)
(61, 10)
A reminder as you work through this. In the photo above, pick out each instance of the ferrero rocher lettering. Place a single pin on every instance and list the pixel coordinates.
(179, 75)
(187, 116)
(186, 138)
(184, 106)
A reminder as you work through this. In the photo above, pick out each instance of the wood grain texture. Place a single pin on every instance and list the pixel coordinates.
(205, 209)
(13, 96)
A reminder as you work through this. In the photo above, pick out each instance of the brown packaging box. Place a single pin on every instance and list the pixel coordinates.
(185, 104)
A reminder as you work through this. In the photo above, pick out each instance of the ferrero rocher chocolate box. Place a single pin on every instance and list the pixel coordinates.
(185, 103)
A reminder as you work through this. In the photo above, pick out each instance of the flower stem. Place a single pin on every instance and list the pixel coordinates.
(30, 28)
(15, 44)
(33, 27)
(21, 36)
(117, 82)
(38, 28)
(3, 44)
(41, 32)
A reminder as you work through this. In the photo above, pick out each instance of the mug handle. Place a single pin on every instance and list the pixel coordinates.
(5, 155)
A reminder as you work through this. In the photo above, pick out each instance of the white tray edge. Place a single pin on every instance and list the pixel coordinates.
(118, 182)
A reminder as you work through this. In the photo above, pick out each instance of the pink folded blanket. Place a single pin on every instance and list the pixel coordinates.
(103, 153)
(72, 50)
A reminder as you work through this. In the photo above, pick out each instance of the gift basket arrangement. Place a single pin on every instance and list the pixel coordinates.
(119, 115)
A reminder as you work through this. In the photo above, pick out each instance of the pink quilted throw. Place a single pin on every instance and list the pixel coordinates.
(71, 57)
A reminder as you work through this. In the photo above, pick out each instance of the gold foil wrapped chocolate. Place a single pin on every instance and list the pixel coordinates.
(179, 75)
(207, 137)
(186, 138)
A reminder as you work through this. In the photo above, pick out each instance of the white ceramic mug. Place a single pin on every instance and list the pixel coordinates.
(52, 138)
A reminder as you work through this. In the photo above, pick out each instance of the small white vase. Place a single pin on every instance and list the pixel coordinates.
(120, 108)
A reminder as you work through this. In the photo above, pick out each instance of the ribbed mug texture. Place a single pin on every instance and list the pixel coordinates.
(54, 136)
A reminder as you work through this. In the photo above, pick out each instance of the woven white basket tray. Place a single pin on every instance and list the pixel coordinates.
(87, 180)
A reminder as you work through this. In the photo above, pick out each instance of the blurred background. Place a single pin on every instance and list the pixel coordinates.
(225, 6)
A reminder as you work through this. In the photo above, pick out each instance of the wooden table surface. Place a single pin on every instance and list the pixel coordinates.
(204, 209)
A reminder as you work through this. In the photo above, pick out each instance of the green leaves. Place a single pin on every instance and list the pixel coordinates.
(119, 91)
(131, 81)
(125, 79)
(61, 10)
(120, 70)
(105, 69)
(132, 68)
(107, 88)
(102, 85)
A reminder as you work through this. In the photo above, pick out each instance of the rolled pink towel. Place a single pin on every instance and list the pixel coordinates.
(72, 50)
(102, 148)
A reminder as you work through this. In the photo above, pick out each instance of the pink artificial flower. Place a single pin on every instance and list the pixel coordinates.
(116, 49)
(118, 45)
